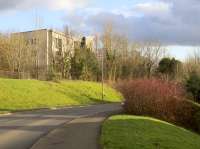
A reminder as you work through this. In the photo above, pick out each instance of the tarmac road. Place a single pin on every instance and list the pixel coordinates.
(56, 128)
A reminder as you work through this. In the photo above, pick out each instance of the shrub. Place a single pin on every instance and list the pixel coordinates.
(169, 67)
(193, 85)
(160, 99)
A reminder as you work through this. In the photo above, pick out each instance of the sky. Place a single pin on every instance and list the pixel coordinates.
(174, 23)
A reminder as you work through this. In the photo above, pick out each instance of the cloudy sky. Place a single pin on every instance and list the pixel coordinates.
(175, 23)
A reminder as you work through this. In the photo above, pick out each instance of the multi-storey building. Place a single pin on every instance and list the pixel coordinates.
(49, 45)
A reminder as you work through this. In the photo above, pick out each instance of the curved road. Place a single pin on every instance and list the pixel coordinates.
(23, 130)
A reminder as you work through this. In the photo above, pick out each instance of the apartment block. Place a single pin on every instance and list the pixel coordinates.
(48, 45)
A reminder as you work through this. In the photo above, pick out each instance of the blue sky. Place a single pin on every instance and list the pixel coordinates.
(24, 18)
(166, 21)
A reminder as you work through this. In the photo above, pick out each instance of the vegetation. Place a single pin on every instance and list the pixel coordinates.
(32, 94)
(128, 132)
(152, 84)
(160, 99)
(192, 63)
(125, 59)
(122, 58)
(193, 85)
(18, 57)
(84, 65)
(170, 68)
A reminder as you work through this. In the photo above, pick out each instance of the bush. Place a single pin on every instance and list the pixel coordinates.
(169, 67)
(160, 99)
(197, 120)
(193, 85)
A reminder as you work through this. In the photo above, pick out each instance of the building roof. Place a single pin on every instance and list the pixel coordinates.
(51, 30)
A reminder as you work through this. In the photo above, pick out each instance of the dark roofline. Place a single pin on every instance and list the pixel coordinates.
(51, 30)
(30, 31)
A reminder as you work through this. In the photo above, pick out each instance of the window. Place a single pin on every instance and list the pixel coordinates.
(32, 41)
(58, 43)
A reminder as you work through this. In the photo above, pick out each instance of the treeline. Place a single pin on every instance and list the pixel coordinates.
(17, 57)
(123, 59)
(146, 72)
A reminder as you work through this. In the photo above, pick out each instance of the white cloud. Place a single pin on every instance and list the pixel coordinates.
(167, 21)
(171, 22)
(126, 12)
(153, 8)
(68, 5)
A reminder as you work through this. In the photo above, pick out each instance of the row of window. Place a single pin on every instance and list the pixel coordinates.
(32, 41)
(57, 42)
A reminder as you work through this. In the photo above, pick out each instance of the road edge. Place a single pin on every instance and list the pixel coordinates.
(106, 114)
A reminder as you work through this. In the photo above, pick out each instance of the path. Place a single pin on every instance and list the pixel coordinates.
(67, 128)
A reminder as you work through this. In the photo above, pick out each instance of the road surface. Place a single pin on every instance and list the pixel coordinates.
(23, 130)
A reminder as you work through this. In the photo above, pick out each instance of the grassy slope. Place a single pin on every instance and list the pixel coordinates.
(134, 132)
(31, 94)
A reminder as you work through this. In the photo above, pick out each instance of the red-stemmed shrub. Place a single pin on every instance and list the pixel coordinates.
(160, 99)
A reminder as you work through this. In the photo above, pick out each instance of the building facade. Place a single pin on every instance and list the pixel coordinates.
(50, 47)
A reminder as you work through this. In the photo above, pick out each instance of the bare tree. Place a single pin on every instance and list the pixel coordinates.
(15, 53)
(8, 52)
(192, 63)
(109, 52)
(116, 50)
(152, 52)
(129, 60)
(4, 46)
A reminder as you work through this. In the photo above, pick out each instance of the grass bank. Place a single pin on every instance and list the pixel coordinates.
(32, 94)
(128, 132)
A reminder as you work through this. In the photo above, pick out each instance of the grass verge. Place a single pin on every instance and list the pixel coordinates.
(20, 95)
(135, 132)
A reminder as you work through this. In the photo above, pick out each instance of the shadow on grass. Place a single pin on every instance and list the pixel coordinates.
(143, 132)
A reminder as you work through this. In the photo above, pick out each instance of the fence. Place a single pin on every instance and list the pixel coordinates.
(14, 75)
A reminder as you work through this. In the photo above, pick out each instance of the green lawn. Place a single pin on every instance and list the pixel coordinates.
(134, 132)
(32, 94)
